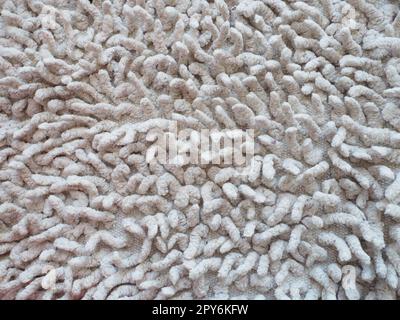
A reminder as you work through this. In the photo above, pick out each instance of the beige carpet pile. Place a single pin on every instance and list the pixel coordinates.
(86, 87)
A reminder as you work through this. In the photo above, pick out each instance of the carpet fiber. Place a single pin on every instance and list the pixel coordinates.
(89, 88)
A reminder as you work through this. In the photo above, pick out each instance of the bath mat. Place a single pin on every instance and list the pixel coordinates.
(225, 149)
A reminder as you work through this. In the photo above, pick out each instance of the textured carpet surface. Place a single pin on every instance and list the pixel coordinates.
(87, 87)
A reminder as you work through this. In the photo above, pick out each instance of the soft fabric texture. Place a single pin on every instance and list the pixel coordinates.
(85, 87)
